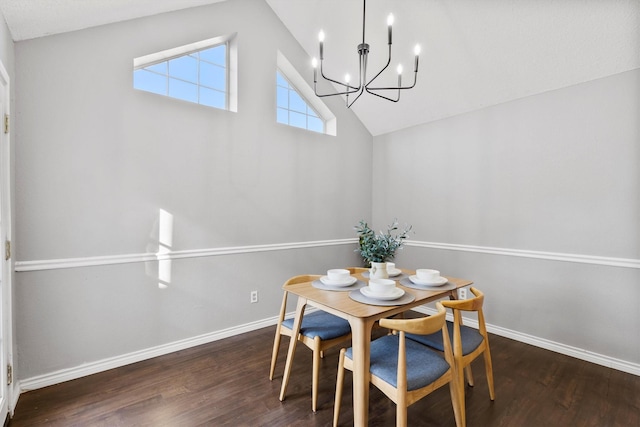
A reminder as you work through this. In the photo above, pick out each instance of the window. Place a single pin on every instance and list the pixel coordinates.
(296, 103)
(293, 110)
(197, 73)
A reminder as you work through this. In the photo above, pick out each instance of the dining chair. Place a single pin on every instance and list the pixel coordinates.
(404, 370)
(468, 343)
(319, 331)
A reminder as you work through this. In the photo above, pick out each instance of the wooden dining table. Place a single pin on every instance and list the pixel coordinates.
(361, 317)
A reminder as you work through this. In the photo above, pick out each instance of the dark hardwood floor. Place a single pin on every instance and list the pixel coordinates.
(227, 383)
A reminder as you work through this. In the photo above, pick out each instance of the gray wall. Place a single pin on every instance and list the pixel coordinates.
(6, 46)
(98, 160)
(554, 175)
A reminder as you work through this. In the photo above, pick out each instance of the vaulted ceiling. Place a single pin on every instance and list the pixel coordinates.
(475, 53)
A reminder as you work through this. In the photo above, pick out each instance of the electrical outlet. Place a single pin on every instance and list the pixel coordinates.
(462, 293)
(254, 296)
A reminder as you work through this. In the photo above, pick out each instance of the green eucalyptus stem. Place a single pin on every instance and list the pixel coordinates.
(380, 247)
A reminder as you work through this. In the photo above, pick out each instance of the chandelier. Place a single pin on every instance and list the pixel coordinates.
(364, 85)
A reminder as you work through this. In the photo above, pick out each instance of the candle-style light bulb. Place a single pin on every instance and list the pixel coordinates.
(347, 78)
(416, 51)
(399, 69)
(390, 25)
(399, 75)
(314, 64)
(321, 39)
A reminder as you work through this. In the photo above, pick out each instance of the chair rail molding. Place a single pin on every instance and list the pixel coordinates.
(52, 264)
(552, 256)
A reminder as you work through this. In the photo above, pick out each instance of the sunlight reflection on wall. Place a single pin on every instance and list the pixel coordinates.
(162, 236)
(165, 241)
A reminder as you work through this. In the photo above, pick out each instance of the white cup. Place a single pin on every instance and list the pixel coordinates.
(391, 266)
(382, 286)
(428, 275)
(338, 275)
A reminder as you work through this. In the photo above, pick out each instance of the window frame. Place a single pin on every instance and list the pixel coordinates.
(308, 105)
(231, 55)
(305, 91)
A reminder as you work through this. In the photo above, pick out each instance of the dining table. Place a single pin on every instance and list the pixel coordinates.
(362, 314)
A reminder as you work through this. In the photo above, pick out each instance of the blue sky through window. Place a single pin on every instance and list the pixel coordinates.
(199, 77)
(292, 109)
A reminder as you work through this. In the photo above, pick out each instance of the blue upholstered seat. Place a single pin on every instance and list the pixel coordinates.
(470, 337)
(321, 324)
(423, 365)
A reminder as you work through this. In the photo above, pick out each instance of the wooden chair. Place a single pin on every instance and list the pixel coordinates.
(468, 343)
(406, 371)
(319, 331)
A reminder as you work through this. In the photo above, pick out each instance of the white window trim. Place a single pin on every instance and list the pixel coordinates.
(303, 88)
(232, 61)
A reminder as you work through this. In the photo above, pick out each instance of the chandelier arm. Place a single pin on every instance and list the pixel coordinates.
(415, 80)
(355, 89)
(380, 72)
(385, 97)
(322, 95)
(349, 104)
(352, 89)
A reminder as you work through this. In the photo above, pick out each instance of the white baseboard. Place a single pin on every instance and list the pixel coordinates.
(137, 356)
(126, 359)
(578, 353)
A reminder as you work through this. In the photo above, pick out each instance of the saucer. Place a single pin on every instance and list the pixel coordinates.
(397, 293)
(394, 272)
(350, 281)
(441, 281)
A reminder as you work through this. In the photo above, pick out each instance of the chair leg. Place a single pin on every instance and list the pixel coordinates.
(489, 369)
(339, 382)
(455, 402)
(401, 412)
(274, 353)
(316, 373)
(460, 389)
(469, 373)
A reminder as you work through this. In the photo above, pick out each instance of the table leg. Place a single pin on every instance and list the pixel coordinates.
(297, 321)
(361, 344)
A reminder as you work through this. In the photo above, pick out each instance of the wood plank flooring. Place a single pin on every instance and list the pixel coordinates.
(226, 383)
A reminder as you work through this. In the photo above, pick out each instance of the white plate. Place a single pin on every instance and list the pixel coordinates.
(441, 281)
(394, 272)
(350, 281)
(397, 293)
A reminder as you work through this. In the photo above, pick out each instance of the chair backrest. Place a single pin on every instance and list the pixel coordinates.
(292, 281)
(458, 306)
(301, 279)
(471, 304)
(422, 325)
